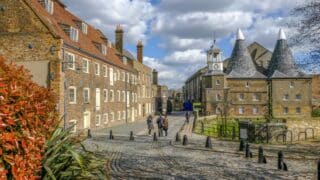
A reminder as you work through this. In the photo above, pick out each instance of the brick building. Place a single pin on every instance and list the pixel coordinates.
(253, 85)
(97, 83)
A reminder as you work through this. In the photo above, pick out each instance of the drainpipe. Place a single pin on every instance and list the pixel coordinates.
(64, 91)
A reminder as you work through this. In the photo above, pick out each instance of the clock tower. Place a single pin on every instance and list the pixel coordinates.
(214, 59)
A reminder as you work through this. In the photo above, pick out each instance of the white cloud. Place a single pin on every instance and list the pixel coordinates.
(105, 15)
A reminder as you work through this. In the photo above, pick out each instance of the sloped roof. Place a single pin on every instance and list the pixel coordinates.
(241, 64)
(282, 63)
(86, 41)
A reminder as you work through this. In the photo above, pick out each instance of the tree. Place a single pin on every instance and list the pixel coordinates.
(308, 30)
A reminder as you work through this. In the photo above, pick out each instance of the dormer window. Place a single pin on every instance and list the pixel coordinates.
(84, 28)
(74, 34)
(49, 6)
(104, 49)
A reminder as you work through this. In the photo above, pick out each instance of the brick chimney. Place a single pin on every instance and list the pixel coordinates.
(119, 39)
(140, 52)
(155, 77)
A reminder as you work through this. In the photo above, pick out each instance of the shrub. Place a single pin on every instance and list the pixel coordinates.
(27, 119)
(316, 113)
(67, 158)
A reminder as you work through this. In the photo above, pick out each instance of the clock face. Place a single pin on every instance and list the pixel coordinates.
(215, 66)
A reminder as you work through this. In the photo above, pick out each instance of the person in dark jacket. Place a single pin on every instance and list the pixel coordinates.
(160, 125)
(166, 125)
(149, 124)
(187, 117)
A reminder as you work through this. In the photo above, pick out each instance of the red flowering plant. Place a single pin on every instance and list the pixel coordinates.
(27, 119)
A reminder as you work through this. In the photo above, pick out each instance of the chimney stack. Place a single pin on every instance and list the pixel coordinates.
(119, 39)
(155, 77)
(140, 52)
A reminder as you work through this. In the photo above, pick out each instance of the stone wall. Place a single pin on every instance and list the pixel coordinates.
(300, 126)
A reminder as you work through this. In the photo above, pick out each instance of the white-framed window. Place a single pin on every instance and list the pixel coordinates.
(86, 95)
(298, 110)
(49, 6)
(291, 84)
(115, 76)
(256, 97)
(97, 99)
(218, 97)
(241, 97)
(85, 65)
(111, 96)
(84, 28)
(119, 95)
(70, 59)
(73, 124)
(241, 110)
(123, 96)
(123, 76)
(285, 110)
(72, 95)
(298, 97)
(111, 76)
(104, 71)
(286, 97)
(217, 82)
(112, 116)
(124, 115)
(97, 68)
(119, 115)
(74, 34)
(104, 49)
(105, 95)
(127, 75)
(119, 75)
(105, 118)
(255, 110)
(98, 119)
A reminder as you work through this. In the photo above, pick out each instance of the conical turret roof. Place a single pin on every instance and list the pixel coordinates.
(241, 64)
(282, 63)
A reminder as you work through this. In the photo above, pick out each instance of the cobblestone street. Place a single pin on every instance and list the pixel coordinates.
(166, 159)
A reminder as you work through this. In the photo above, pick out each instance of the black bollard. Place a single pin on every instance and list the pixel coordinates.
(208, 142)
(260, 155)
(185, 140)
(131, 136)
(264, 160)
(285, 167)
(280, 160)
(89, 133)
(319, 169)
(233, 133)
(241, 147)
(111, 135)
(155, 138)
(178, 139)
(247, 150)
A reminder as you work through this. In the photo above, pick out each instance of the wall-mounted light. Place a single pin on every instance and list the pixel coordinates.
(52, 49)
(51, 76)
(2, 8)
(30, 46)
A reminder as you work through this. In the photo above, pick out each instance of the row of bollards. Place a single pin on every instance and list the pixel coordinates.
(261, 157)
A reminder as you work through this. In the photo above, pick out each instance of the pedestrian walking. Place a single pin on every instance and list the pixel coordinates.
(149, 124)
(187, 117)
(160, 125)
(166, 125)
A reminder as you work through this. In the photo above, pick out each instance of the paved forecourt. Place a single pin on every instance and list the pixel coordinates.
(144, 158)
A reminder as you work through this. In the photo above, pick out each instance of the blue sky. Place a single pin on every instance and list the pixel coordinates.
(176, 33)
